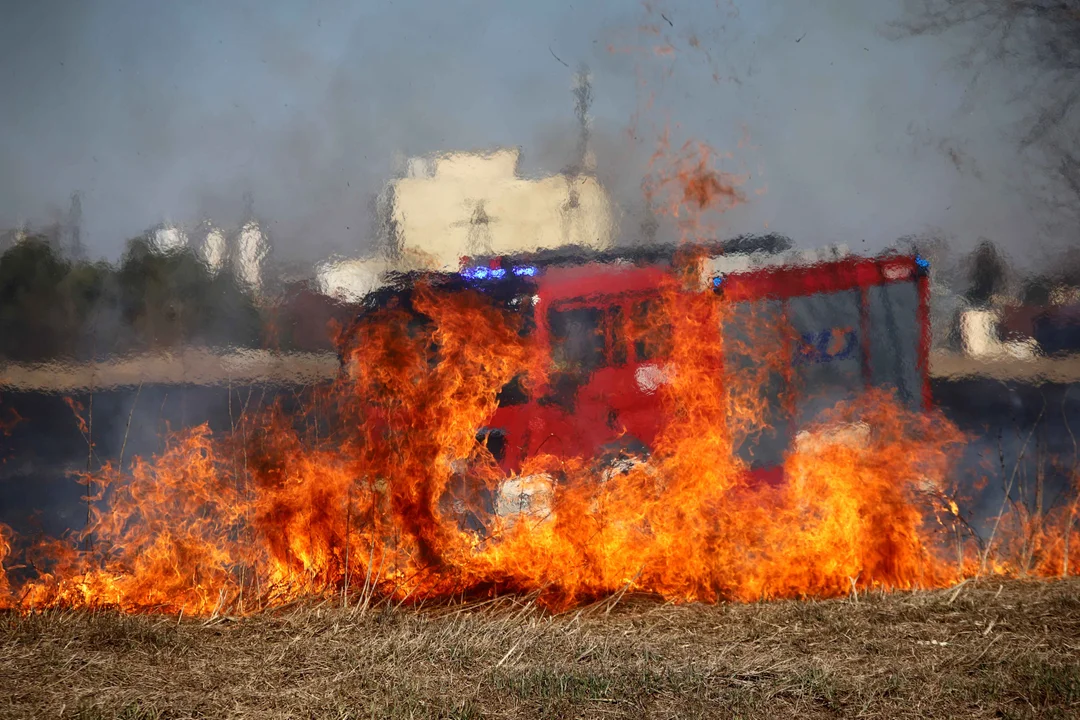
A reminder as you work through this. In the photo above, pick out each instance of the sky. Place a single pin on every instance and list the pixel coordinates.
(157, 111)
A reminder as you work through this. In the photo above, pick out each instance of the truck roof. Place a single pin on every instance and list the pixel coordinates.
(660, 253)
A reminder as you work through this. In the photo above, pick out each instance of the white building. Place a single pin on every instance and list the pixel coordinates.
(252, 250)
(461, 204)
(468, 203)
(215, 250)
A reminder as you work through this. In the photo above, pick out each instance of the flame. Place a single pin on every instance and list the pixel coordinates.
(5, 550)
(688, 182)
(364, 491)
(274, 511)
(380, 488)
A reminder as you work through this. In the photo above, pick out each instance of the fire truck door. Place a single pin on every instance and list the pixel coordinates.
(828, 360)
(643, 339)
(611, 388)
(627, 387)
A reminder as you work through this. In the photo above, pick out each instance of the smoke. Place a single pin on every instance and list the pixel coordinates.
(175, 112)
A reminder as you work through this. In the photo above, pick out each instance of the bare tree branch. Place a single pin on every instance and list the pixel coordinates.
(1037, 38)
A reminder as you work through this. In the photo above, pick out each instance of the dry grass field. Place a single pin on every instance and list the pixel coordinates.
(205, 367)
(984, 649)
(194, 366)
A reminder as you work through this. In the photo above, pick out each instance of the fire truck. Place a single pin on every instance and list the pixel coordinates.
(844, 323)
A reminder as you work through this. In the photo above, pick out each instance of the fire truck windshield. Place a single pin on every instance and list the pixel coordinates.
(524, 307)
(522, 304)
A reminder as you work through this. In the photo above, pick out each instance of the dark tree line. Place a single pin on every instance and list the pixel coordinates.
(55, 307)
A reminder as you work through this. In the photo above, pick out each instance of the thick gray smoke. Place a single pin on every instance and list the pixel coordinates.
(174, 112)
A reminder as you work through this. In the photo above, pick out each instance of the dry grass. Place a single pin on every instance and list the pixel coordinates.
(206, 367)
(191, 365)
(985, 649)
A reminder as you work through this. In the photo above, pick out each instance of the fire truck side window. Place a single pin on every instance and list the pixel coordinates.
(894, 340)
(828, 357)
(577, 339)
(650, 331)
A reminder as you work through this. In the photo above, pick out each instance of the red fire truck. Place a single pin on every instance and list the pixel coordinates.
(844, 322)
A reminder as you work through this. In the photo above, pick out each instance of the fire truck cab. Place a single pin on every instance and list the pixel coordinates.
(844, 323)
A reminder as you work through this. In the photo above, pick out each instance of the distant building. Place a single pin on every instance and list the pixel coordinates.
(215, 250)
(252, 250)
(469, 203)
(460, 204)
(245, 252)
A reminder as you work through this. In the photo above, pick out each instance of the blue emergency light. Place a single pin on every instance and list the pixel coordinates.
(476, 273)
(922, 262)
(482, 272)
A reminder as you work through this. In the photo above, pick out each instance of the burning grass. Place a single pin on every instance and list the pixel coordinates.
(984, 649)
(288, 507)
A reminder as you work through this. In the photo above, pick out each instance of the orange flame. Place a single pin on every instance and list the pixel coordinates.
(364, 492)
(223, 525)
(5, 550)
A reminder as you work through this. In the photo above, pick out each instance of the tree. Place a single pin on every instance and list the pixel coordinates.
(1037, 291)
(1039, 36)
(51, 307)
(987, 274)
(88, 292)
(34, 317)
(1063, 272)
(168, 299)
